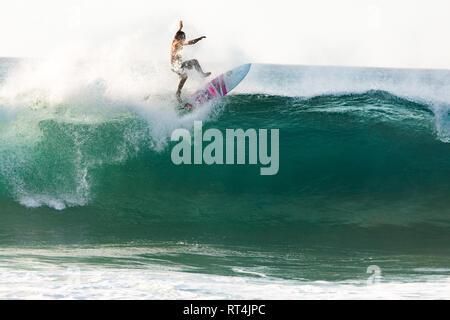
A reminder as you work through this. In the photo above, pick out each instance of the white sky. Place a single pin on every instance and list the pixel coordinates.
(389, 33)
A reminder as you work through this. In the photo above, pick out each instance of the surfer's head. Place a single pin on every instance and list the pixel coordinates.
(180, 36)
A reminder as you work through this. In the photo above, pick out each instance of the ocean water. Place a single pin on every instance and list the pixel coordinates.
(91, 206)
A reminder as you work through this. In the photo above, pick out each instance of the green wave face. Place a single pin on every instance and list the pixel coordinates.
(368, 166)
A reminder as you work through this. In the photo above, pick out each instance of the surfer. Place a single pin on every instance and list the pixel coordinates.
(179, 66)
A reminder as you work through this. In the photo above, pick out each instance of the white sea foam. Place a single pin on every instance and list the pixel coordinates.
(81, 87)
(53, 274)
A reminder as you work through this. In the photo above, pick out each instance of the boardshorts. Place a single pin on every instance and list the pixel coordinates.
(180, 68)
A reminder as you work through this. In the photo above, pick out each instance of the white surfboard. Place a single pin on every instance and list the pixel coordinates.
(218, 87)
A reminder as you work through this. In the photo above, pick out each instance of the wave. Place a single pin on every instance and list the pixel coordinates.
(55, 154)
(349, 161)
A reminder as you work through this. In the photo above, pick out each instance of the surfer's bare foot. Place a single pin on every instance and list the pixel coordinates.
(206, 74)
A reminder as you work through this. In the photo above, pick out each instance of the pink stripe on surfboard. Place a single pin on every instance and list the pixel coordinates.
(216, 85)
(213, 92)
(224, 88)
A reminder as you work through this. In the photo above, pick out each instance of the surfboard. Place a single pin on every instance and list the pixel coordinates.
(218, 87)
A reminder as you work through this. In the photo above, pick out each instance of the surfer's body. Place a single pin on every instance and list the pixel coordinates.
(178, 65)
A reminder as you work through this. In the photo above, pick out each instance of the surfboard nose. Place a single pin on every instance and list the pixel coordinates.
(233, 77)
(245, 68)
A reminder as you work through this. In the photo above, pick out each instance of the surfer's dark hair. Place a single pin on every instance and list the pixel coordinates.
(180, 35)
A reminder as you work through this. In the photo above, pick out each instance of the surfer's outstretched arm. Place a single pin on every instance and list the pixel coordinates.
(191, 42)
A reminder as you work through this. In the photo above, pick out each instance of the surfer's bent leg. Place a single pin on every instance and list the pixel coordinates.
(180, 86)
(194, 64)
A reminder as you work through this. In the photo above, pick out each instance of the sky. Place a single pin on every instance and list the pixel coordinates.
(378, 33)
